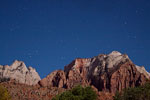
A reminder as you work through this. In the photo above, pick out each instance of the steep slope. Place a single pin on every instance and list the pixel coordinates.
(108, 73)
(143, 71)
(20, 73)
(55, 79)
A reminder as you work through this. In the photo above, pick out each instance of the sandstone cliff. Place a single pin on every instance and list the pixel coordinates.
(105, 73)
(108, 73)
(20, 73)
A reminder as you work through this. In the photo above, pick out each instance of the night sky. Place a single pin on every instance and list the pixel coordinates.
(49, 34)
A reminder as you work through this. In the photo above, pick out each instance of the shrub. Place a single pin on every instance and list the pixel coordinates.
(77, 93)
(136, 93)
(4, 95)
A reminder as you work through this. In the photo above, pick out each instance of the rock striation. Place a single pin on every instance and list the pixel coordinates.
(20, 73)
(109, 73)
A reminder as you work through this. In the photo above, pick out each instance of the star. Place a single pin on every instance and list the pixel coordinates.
(14, 28)
(132, 36)
(62, 58)
(61, 41)
(29, 55)
(11, 29)
(76, 48)
(125, 23)
(36, 51)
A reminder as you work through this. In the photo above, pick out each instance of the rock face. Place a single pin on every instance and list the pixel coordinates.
(55, 79)
(20, 73)
(143, 71)
(107, 73)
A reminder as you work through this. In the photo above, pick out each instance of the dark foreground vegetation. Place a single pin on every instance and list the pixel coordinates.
(87, 93)
(4, 95)
(77, 93)
(137, 93)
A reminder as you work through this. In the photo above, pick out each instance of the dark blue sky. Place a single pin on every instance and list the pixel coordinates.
(49, 34)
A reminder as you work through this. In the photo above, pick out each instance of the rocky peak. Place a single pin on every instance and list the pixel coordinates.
(115, 53)
(100, 63)
(20, 73)
(115, 58)
(18, 65)
(77, 64)
(112, 72)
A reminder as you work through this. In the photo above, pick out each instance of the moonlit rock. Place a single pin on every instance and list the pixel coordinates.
(20, 73)
(106, 72)
(114, 58)
(101, 63)
(143, 71)
(114, 54)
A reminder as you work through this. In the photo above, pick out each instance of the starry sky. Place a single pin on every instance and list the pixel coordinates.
(49, 34)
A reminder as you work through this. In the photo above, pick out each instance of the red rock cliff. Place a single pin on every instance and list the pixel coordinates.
(109, 73)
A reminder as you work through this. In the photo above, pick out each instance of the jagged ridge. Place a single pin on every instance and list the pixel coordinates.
(105, 73)
(20, 73)
(111, 72)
